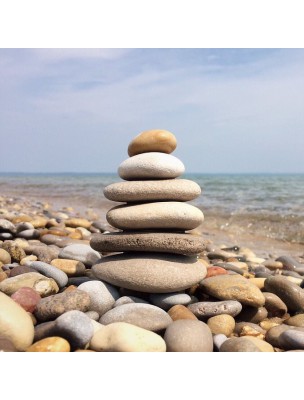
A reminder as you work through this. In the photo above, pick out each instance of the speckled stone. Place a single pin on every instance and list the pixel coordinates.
(186, 335)
(75, 327)
(159, 215)
(80, 252)
(27, 298)
(207, 309)
(290, 293)
(177, 243)
(16, 252)
(181, 312)
(124, 337)
(156, 190)
(102, 295)
(145, 316)
(223, 323)
(53, 306)
(50, 344)
(151, 165)
(233, 287)
(15, 323)
(43, 285)
(51, 272)
(158, 140)
(150, 272)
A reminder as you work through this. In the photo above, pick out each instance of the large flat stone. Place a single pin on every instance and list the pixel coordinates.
(177, 243)
(150, 272)
(166, 189)
(159, 215)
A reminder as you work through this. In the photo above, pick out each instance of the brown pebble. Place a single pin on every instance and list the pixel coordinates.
(180, 312)
(50, 344)
(6, 345)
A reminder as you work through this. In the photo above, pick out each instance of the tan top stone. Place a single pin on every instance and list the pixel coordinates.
(152, 140)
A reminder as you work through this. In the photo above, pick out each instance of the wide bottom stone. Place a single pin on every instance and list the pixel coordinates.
(150, 272)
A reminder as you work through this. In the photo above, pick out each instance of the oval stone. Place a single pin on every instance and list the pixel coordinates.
(5, 257)
(151, 166)
(233, 287)
(274, 305)
(15, 323)
(51, 272)
(124, 337)
(150, 272)
(50, 345)
(153, 190)
(186, 335)
(176, 243)
(158, 140)
(292, 339)
(145, 316)
(161, 215)
(246, 344)
(168, 300)
(223, 324)
(181, 312)
(128, 300)
(80, 252)
(70, 267)
(296, 320)
(27, 298)
(207, 309)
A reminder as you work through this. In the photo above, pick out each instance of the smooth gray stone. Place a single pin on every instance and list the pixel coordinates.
(78, 280)
(75, 327)
(60, 241)
(102, 295)
(48, 270)
(168, 300)
(289, 263)
(101, 226)
(239, 345)
(29, 234)
(145, 316)
(187, 335)
(218, 340)
(43, 330)
(6, 236)
(292, 339)
(207, 309)
(23, 226)
(128, 300)
(80, 252)
(7, 226)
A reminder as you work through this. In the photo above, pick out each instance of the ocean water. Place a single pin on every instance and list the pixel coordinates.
(263, 204)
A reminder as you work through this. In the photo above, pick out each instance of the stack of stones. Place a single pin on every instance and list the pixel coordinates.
(156, 255)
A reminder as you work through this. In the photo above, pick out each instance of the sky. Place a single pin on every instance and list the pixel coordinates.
(76, 110)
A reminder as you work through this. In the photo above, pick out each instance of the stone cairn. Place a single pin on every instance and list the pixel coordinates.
(156, 255)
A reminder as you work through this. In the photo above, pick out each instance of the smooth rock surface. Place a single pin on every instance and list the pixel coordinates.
(160, 215)
(181, 312)
(168, 300)
(207, 309)
(50, 345)
(15, 323)
(124, 337)
(223, 324)
(233, 287)
(292, 339)
(27, 298)
(150, 272)
(186, 335)
(80, 252)
(145, 316)
(176, 243)
(159, 140)
(51, 272)
(152, 165)
(153, 190)
(296, 320)
(128, 300)
(242, 344)
(274, 305)
(70, 267)
(102, 295)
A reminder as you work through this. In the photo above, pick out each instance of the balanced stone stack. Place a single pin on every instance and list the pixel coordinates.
(155, 252)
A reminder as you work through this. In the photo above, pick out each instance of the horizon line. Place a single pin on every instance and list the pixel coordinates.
(115, 173)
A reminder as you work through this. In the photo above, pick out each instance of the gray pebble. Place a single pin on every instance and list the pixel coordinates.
(80, 252)
(292, 339)
(207, 309)
(51, 272)
(29, 234)
(218, 340)
(168, 300)
(128, 300)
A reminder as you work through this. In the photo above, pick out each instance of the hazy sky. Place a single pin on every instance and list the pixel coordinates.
(232, 110)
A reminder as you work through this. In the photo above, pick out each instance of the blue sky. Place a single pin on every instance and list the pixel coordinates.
(232, 110)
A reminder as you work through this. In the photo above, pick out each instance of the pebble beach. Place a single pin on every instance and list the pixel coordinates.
(146, 271)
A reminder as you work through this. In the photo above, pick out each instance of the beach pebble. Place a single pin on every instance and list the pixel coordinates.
(5, 257)
(145, 316)
(20, 269)
(292, 339)
(45, 253)
(207, 309)
(249, 329)
(102, 295)
(80, 252)
(150, 272)
(7, 226)
(125, 337)
(6, 236)
(29, 234)
(44, 330)
(69, 267)
(128, 300)
(233, 287)
(153, 190)
(158, 140)
(223, 324)
(218, 340)
(27, 298)
(159, 215)
(51, 272)
(187, 335)
(53, 306)
(78, 222)
(50, 344)
(239, 345)
(75, 327)
(16, 252)
(181, 312)
(272, 264)
(23, 226)
(26, 260)
(15, 323)
(289, 263)
(6, 345)
(93, 315)
(213, 271)
(289, 292)
(258, 282)
(252, 314)
(177, 243)
(168, 300)
(296, 320)
(273, 334)
(274, 305)
(39, 222)
(60, 241)
(43, 285)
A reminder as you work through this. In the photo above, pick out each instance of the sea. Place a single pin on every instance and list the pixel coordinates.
(266, 205)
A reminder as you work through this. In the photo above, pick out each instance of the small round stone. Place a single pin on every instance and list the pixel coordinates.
(27, 298)
(168, 300)
(5, 257)
(124, 337)
(181, 312)
(246, 344)
(151, 166)
(186, 335)
(21, 269)
(158, 140)
(296, 320)
(213, 271)
(51, 272)
(50, 344)
(80, 252)
(274, 305)
(70, 267)
(292, 339)
(159, 215)
(128, 300)
(207, 309)
(223, 323)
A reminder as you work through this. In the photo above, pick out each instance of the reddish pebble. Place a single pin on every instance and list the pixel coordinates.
(27, 298)
(213, 271)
